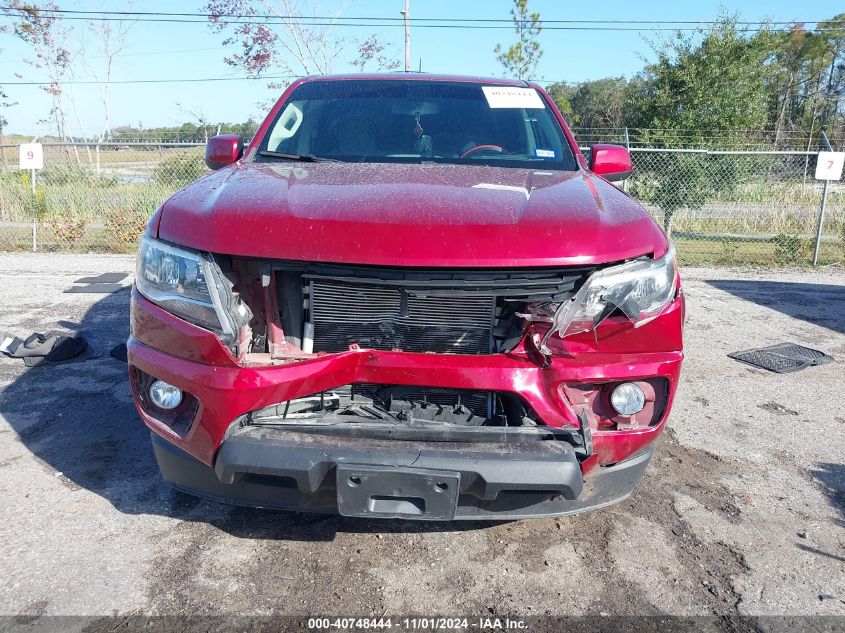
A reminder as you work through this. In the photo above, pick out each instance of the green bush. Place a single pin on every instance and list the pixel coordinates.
(842, 235)
(789, 248)
(39, 204)
(179, 170)
(68, 227)
(73, 174)
(126, 220)
(730, 249)
(125, 227)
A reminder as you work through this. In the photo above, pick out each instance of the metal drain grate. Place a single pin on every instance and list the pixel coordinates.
(782, 358)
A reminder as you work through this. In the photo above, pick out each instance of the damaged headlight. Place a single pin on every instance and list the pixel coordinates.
(182, 282)
(639, 289)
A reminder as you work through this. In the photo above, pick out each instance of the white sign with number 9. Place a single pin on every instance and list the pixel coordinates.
(31, 156)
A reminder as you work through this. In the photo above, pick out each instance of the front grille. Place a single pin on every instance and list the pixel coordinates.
(377, 317)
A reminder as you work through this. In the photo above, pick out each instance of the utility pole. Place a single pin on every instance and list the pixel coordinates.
(406, 15)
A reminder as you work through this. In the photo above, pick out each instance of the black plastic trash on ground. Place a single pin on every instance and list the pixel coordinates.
(782, 358)
(51, 347)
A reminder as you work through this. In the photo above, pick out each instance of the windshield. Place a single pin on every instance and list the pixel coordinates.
(414, 121)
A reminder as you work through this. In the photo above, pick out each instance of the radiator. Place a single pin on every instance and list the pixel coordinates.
(385, 318)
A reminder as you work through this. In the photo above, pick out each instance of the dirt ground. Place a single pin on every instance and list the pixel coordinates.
(741, 512)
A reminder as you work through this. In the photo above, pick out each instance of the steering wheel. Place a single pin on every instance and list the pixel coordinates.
(498, 149)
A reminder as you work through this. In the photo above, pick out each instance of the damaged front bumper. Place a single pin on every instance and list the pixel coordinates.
(502, 474)
(427, 481)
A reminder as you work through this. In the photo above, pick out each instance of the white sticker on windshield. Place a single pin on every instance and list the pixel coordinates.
(510, 97)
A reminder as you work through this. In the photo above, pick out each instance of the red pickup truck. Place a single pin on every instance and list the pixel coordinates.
(410, 296)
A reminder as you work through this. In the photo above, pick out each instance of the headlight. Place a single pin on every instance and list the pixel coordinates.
(640, 289)
(181, 282)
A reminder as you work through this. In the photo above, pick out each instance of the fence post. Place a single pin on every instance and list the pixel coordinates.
(628, 147)
(821, 225)
(97, 152)
(821, 209)
(34, 210)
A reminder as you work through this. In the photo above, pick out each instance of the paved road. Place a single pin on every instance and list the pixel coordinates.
(741, 511)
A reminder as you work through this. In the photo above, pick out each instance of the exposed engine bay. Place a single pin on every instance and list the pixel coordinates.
(299, 310)
(303, 309)
(412, 413)
(287, 312)
(404, 404)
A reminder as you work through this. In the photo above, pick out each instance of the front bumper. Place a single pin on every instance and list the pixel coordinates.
(290, 471)
(271, 473)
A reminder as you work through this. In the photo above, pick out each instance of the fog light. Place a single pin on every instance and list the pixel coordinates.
(627, 398)
(164, 395)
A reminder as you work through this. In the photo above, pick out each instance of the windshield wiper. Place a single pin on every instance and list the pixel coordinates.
(305, 158)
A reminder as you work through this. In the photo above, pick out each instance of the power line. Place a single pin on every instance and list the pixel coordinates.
(417, 26)
(508, 21)
(141, 54)
(387, 22)
(93, 82)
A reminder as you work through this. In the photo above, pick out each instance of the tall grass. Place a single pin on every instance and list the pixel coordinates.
(761, 211)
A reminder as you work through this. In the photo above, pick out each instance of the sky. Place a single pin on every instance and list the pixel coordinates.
(179, 51)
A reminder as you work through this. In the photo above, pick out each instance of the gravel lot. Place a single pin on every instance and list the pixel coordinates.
(740, 513)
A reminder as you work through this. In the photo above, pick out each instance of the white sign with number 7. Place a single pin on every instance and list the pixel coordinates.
(829, 165)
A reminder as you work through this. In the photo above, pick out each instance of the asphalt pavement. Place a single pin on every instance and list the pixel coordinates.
(741, 512)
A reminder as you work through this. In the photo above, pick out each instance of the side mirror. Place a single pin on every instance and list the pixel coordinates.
(611, 161)
(223, 150)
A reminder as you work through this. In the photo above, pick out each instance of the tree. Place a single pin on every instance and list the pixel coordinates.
(280, 36)
(715, 81)
(60, 53)
(521, 58)
(806, 78)
(600, 103)
(111, 37)
(786, 75)
(189, 131)
(372, 50)
(832, 87)
(203, 126)
(36, 26)
(562, 93)
(3, 121)
(4, 104)
(292, 43)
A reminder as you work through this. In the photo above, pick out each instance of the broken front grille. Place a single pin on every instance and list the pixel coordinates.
(399, 318)
(328, 307)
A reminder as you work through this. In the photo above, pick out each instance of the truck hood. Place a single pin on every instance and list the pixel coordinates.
(428, 215)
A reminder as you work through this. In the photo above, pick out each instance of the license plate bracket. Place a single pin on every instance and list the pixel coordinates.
(396, 492)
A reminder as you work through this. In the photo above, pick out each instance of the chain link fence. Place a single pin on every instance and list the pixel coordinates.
(755, 140)
(740, 207)
(90, 198)
(721, 206)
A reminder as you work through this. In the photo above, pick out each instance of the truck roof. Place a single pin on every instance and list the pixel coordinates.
(414, 76)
